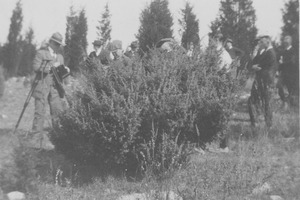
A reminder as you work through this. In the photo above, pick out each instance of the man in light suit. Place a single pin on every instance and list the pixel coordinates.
(46, 90)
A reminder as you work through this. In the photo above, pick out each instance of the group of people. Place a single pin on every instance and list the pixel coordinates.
(106, 54)
(266, 66)
(264, 63)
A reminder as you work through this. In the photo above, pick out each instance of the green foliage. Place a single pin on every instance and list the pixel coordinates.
(12, 49)
(76, 42)
(236, 21)
(190, 26)
(156, 23)
(104, 28)
(291, 21)
(112, 120)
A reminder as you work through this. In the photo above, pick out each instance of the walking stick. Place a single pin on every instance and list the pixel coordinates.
(34, 84)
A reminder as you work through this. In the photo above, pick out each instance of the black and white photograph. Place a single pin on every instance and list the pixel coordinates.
(149, 100)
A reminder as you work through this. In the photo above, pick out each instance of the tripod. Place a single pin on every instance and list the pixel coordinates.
(34, 84)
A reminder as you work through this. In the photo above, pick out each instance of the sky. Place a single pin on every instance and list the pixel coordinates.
(49, 16)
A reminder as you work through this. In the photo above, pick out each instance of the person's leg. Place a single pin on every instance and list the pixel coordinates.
(36, 136)
(39, 113)
(56, 106)
(280, 86)
(267, 95)
(253, 102)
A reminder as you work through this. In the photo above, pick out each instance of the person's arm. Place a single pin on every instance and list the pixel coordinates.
(39, 62)
(38, 59)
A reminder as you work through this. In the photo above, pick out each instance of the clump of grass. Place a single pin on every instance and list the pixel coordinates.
(19, 174)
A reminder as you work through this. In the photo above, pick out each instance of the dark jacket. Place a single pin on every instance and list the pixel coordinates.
(235, 52)
(268, 63)
(103, 57)
(288, 66)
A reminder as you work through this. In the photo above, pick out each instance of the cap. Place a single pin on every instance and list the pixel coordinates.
(134, 44)
(98, 43)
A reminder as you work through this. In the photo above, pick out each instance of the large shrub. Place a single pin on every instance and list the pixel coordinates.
(112, 119)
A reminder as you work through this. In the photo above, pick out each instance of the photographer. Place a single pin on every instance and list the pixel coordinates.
(47, 89)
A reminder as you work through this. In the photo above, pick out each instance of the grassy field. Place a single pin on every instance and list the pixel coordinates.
(255, 168)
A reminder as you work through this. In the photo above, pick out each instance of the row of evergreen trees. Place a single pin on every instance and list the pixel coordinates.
(236, 20)
(17, 54)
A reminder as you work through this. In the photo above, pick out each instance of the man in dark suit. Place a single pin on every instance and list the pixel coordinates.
(288, 72)
(265, 65)
(100, 56)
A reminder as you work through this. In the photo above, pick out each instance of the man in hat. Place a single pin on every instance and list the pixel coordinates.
(100, 56)
(288, 72)
(46, 90)
(265, 66)
(132, 51)
(117, 56)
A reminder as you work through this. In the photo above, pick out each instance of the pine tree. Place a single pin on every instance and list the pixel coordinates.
(156, 22)
(72, 19)
(291, 21)
(76, 42)
(12, 50)
(104, 28)
(236, 21)
(28, 53)
(190, 26)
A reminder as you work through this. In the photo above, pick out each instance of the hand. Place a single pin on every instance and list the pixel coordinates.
(67, 68)
(256, 67)
(56, 64)
(47, 68)
(281, 60)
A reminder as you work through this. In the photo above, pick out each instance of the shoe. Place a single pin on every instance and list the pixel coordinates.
(225, 150)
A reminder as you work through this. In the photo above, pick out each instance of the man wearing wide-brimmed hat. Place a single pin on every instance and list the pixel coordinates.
(46, 90)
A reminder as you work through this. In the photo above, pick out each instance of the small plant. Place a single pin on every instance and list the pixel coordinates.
(19, 173)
